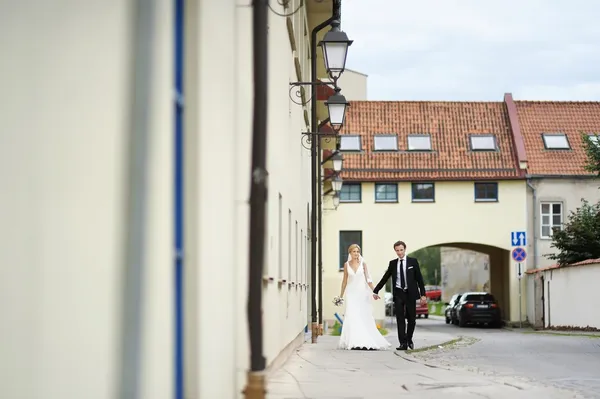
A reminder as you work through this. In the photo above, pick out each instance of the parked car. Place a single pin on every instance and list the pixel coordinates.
(478, 308)
(433, 292)
(450, 311)
(422, 309)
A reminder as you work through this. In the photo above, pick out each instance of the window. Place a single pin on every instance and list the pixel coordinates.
(551, 217)
(486, 192)
(350, 192)
(385, 142)
(386, 192)
(419, 142)
(481, 142)
(348, 238)
(556, 141)
(594, 138)
(423, 192)
(350, 143)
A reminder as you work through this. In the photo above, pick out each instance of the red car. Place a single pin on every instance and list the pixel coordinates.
(433, 292)
(422, 310)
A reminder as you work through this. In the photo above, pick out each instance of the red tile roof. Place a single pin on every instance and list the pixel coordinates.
(449, 124)
(571, 118)
(587, 262)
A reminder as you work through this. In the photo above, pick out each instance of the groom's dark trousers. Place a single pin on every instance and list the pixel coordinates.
(406, 308)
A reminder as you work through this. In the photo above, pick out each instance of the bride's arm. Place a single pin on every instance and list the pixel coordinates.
(345, 280)
(368, 277)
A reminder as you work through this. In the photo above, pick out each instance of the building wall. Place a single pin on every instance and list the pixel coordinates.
(65, 125)
(64, 165)
(568, 192)
(560, 296)
(464, 270)
(453, 218)
(353, 84)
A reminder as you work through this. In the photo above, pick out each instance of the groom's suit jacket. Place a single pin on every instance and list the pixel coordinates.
(415, 286)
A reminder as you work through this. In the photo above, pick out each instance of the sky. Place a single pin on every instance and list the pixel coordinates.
(475, 50)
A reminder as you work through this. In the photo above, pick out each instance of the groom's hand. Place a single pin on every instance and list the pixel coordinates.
(423, 300)
(375, 296)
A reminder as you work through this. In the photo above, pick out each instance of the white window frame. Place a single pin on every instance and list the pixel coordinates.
(547, 145)
(412, 147)
(350, 136)
(550, 215)
(387, 139)
(594, 138)
(477, 137)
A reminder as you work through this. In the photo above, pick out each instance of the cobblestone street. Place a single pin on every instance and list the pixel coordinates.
(487, 363)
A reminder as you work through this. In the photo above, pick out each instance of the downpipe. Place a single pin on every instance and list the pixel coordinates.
(255, 384)
(314, 173)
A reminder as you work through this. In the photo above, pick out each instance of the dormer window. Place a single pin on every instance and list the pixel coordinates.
(350, 143)
(594, 138)
(556, 141)
(483, 142)
(385, 142)
(419, 142)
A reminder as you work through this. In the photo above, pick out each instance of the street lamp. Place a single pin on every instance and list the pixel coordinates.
(338, 160)
(336, 106)
(336, 184)
(335, 49)
(336, 200)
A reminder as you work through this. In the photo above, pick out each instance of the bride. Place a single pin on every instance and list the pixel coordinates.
(359, 330)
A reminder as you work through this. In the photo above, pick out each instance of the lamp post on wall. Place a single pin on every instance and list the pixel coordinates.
(335, 47)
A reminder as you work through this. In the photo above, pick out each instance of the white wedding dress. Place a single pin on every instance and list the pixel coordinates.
(359, 329)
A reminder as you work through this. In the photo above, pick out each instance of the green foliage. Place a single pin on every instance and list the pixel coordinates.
(580, 238)
(336, 329)
(592, 149)
(430, 260)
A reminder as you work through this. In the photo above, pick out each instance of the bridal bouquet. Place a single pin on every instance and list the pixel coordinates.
(337, 301)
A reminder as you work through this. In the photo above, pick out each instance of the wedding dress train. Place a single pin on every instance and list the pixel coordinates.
(359, 329)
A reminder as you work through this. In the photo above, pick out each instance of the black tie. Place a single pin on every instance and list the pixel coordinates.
(402, 280)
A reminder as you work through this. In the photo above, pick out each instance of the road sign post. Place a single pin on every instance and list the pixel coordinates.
(520, 301)
(519, 255)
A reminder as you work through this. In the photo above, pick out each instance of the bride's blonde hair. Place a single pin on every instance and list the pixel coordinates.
(351, 247)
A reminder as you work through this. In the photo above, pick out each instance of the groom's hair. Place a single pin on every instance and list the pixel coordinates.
(398, 243)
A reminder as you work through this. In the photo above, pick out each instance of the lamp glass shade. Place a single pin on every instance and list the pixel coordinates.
(334, 54)
(336, 184)
(338, 161)
(337, 113)
(336, 200)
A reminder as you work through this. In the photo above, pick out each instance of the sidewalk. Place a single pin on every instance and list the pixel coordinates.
(320, 371)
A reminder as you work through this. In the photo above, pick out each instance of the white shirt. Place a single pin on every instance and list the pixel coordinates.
(403, 271)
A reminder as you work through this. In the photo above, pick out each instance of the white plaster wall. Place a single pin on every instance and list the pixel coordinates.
(64, 129)
(218, 181)
(454, 217)
(570, 300)
(464, 270)
(353, 84)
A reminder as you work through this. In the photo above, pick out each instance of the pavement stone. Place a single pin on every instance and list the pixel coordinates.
(320, 371)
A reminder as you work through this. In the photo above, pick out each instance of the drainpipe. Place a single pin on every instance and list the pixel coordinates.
(255, 384)
(314, 159)
(535, 224)
(137, 185)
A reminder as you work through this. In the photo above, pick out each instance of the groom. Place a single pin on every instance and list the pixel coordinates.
(407, 282)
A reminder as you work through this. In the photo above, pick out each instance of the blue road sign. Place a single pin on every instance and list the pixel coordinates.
(519, 254)
(518, 238)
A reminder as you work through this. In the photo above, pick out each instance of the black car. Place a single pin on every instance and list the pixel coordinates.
(450, 311)
(478, 308)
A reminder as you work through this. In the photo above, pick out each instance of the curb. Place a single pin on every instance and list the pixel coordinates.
(430, 347)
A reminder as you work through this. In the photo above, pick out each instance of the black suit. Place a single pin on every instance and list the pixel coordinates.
(415, 288)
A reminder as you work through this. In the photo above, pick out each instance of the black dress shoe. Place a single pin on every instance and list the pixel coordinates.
(402, 347)
(411, 345)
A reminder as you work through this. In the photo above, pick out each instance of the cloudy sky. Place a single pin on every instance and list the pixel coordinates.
(475, 49)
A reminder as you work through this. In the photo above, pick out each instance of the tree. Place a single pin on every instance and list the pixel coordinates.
(430, 260)
(580, 238)
(592, 149)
